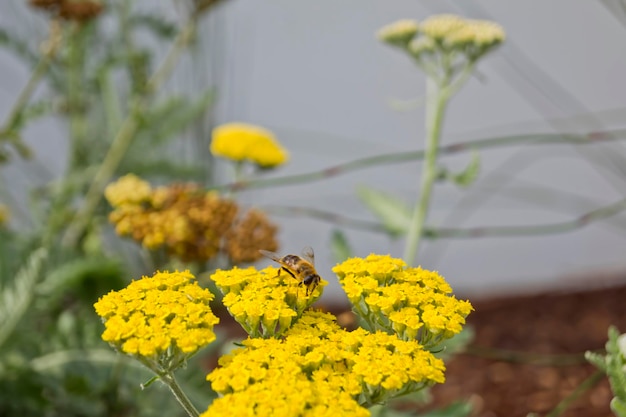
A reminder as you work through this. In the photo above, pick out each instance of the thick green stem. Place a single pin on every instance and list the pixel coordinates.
(436, 100)
(182, 399)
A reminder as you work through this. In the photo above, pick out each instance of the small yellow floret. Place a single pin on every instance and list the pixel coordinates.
(246, 142)
(398, 33)
(129, 189)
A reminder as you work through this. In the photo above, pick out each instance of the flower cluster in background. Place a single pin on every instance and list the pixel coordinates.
(162, 319)
(242, 142)
(443, 35)
(189, 223)
(265, 303)
(414, 303)
(319, 368)
(76, 10)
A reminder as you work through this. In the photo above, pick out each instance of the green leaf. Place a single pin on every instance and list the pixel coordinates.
(156, 24)
(15, 300)
(176, 115)
(469, 174)
(339, 246)
(393, 212)
(618, 407)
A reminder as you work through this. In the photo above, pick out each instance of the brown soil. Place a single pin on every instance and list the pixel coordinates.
(527, 353)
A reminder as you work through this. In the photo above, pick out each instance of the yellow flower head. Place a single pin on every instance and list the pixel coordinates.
(444, 35)
(398, 33)
(264, 302)
(129, 189)
(318, 361)
(246, 142)
(166, 313)
(413, 303)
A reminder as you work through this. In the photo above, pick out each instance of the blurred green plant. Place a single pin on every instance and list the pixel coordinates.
(97, 71)
(613, 365)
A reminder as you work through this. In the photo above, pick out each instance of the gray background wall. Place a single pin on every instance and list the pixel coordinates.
(315, 74)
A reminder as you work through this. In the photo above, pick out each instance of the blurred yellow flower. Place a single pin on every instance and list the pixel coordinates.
(5, 215)
(129, 189)
(245, 142)
(398, 33)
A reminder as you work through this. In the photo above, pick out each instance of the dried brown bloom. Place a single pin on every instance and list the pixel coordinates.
(45, 4)
(251, 232)
(80, 10)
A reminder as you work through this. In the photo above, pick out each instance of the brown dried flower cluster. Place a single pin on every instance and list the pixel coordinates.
(75, 10)
(189, 223)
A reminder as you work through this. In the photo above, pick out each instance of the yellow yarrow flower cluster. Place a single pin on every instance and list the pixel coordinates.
(266, 302)
(245, 142)
(162, 319)
(189, 223)
(318, 366)
(414, 303)
(445, 35)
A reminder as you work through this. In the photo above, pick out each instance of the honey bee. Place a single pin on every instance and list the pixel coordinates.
(300, 268)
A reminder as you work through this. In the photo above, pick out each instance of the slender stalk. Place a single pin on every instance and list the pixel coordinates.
(124, 137)
(39, 71)
(179, 394)
(437, 98)
(401, 157)
(584, 386)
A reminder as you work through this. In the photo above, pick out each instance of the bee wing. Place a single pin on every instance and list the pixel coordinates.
(308, 254)
(272, 255)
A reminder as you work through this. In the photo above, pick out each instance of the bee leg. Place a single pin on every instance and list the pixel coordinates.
(287, 271)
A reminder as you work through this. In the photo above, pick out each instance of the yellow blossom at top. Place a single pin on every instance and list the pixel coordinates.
(439, 26)
(246, 142)
(398, 33)
(319, 366)
(166, 313)
(129, 189)
(413, 303)
(445, 35)
(265, 302)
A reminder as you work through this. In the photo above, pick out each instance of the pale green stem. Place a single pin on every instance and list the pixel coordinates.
(123, 139)
(436, 100)
(179, 394)
(38, 72)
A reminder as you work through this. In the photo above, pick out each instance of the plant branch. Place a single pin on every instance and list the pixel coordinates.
(179, 394)
(401, 157)
(326, 216)
(436, 101)
(528, 230)
(530, 358)
(123, 139)
(459, 233)
(49, 49)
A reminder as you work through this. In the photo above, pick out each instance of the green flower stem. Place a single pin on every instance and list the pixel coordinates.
(124, 137)
(436, 99)
(75, 97)
(179, 394)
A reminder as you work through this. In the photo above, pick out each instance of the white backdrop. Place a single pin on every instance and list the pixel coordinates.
(315, 74)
